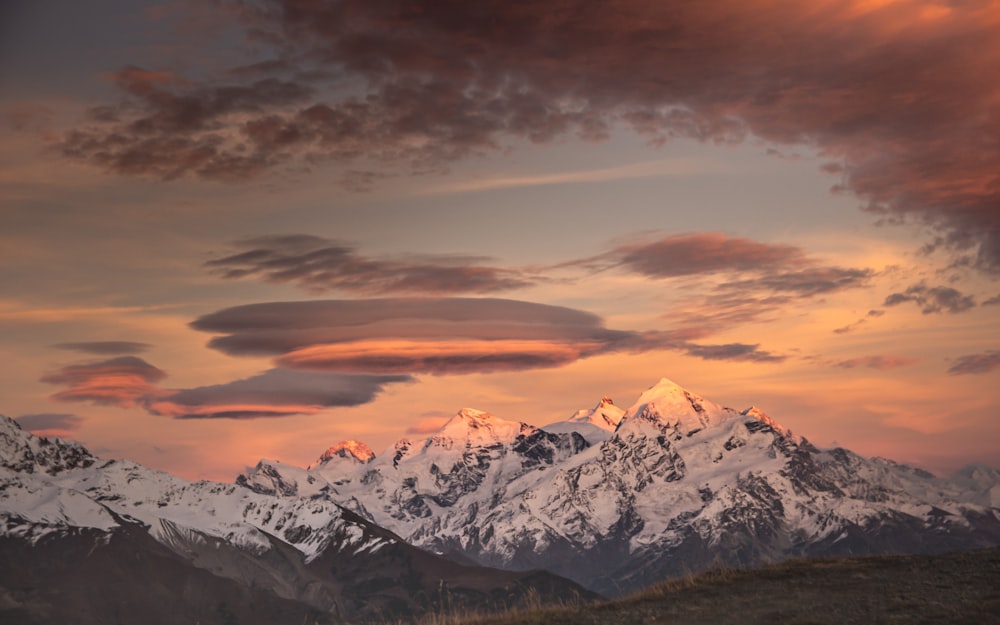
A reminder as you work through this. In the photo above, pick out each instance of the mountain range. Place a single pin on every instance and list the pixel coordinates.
(86, 540)
(616, 499)
(485, 512)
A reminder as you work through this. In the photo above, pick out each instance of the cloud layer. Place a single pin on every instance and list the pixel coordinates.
(105, 348)
(892, 93)
(448, 335)
(129, 382)
(318, 265)
(976, 363)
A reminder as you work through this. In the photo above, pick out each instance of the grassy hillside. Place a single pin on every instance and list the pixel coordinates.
(953, 589)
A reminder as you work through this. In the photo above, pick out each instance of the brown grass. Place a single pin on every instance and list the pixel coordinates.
(954, 589)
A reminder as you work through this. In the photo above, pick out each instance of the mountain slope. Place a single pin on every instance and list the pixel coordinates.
(903, 590)
(680, 484)
(144, 539)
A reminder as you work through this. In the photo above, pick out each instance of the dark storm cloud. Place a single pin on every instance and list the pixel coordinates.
(438, 336)
(318, 264)
(49, 421)
(130, 382)
(933, 299)
(105, 348)
(893, 94)
(976, 363)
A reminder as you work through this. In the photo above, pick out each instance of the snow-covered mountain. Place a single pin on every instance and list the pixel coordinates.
(297, 559)
(595, 425)
(618, 499)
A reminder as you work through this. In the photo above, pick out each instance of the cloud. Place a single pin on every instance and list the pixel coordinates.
(697, 253)
(993, 301)
(276, 328)
(851, 327)
(806, 282)
(891, 93)
(439, 336)
(438, 357)
(180, 126)
(760, 281)
(933, 299)
(976, 363)
(733, 351)
(881, 363)
(130, 382)
(318, 264)
(49, 422)
(274, 393)
(105, 348)
(126, 381)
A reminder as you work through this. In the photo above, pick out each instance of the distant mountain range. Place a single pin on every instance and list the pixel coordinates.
(616, 499)
(612, 498)
(85, 540)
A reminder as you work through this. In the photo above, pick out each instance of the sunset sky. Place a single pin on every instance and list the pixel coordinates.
(237, 229)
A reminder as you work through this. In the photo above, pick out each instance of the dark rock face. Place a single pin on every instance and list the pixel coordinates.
(274, 485)
(23, 453)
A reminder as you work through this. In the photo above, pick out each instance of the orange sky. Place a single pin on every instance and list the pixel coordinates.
(231, 233)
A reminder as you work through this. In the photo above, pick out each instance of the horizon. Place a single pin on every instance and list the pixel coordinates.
(233, 230)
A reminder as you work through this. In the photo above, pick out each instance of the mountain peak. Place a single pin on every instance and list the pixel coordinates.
(663, 393)
(760, 415)
(666, 385)
(666, 402)
(348, 450)
(605, 415)
(478, 426)
(471, 414)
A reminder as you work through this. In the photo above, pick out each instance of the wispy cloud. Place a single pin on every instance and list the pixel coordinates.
(851, 327)
(105, 348)
(697, 253)
(130, 382)
(984, 362)
(319, 265)
(746, 281)
(646, 169)
(934, 299)
(879, 362)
